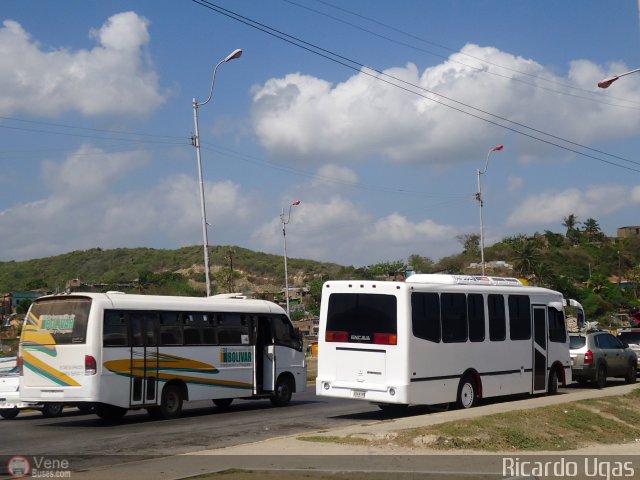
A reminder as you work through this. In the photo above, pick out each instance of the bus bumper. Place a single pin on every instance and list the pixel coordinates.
(370, 393)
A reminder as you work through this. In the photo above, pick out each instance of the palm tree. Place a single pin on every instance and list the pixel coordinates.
(526, 258)
(571, 222)
(591, 227)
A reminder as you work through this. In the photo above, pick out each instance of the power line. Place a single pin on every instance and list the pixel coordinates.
(324, 178)
(366, 70)
(453, 50)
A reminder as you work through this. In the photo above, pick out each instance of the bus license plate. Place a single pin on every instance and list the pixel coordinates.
(358, 393)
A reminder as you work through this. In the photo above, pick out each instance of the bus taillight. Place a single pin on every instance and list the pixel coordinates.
(90, 366)
(19, 364)
(333, 336)
(385, 339)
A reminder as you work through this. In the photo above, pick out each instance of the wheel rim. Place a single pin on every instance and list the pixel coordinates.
(283, 391)
(467, 395)
(172, 402)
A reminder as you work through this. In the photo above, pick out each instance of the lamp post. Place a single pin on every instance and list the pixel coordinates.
(196, 143)
(284, 236)
(606, 83)
(480, 201)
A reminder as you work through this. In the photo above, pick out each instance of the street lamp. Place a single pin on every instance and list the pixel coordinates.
(479, 198)
(196, 143)
(606, 83)
(284, 236)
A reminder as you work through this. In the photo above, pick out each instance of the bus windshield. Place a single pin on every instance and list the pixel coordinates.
(64, 319)
(362, 318)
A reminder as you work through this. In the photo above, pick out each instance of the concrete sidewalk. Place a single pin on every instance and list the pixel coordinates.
(290, 452)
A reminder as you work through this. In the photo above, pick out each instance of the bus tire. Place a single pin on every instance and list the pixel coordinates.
(109, 412)
(222, 402)
(601, 376)
(171, 404)
(632, 373)
(9, 413)
(51, 410)
(552, 388)
(467, 392)
(282, 393)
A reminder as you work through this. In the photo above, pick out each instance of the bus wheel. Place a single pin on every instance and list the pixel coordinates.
(222, 402)
(9, 413)
(109, 412)
(171, 405)
(467, 395)
(282, 394)
(52, 410)
(552, 389)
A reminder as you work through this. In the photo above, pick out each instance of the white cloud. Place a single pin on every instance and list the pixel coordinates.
(550, 207)
(113, 78)
(337, 230)
(302, 116)
(83, 209)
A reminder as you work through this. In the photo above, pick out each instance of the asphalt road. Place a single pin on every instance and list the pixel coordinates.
(91, 442)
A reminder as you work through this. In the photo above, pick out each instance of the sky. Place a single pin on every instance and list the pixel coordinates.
(375, 115)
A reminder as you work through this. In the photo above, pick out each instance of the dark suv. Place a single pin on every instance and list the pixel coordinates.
(596, 355)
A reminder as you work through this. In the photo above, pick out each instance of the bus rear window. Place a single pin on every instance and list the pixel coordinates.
(65, 319)
(362, 318)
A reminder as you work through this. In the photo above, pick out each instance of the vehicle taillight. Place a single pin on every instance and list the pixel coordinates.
(588, 358)
(90, 366)
(336, 336)
(19, 363)
(385, 339)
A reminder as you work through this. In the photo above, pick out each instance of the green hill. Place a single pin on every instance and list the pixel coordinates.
(157, 270)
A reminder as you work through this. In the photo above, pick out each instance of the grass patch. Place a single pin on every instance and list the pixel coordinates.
(606, 420)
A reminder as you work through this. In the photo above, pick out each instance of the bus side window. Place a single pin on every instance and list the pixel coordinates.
(192, 323)
(170, 329)
(209, 332)
(497, 318)
(454, 317)
(557, 327)
(233, 329)
(425, 316)
(284, 333)
(519, 317)
(475, 305)
(114, 330)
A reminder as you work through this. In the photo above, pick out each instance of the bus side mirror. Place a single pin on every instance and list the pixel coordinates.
(580, 318)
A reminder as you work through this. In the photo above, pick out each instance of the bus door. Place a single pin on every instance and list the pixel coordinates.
(144, 358)
(265, 356)
(539, 349)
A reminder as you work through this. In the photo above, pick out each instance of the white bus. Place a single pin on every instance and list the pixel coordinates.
(116, 351)
(438, 339)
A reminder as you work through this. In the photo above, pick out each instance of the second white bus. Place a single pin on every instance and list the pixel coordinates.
(438, 339)
(116, 352)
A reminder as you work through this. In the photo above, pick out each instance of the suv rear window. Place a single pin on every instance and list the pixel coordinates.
(577, 341)
(362, 315)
